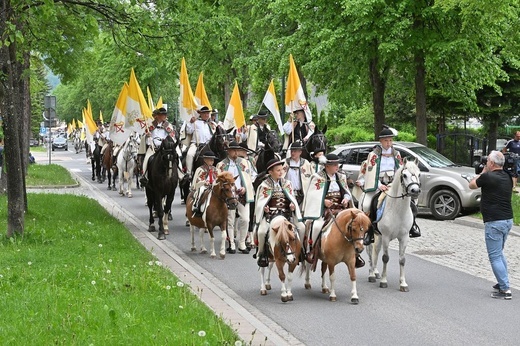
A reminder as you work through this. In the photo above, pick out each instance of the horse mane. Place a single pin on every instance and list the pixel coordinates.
(283, 234)
(226, 177)
(362, 220)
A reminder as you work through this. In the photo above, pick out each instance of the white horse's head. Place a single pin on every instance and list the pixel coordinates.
(409, 175)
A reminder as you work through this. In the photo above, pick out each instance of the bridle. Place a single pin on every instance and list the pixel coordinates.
(320, 139)
(406, 187)
(350, 230)
(287, 250)
(228, 200)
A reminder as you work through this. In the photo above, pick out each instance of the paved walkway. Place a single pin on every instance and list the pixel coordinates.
(457, 244)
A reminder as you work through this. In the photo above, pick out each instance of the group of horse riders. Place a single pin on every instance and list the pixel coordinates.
(309, 193)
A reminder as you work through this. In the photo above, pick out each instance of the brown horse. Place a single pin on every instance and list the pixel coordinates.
(107, 162)
(221, 198)
(341, 242)
(284, 247)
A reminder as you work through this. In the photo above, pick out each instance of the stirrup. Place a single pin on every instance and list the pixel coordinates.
(415, 232)
(360, 262)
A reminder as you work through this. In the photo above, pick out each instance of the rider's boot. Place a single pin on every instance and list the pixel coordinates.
(143, 181)
(415, 232)
(369, 236)
(360, 262)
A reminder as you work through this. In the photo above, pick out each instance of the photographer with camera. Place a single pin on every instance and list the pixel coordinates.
(513, 147)
(497, 212)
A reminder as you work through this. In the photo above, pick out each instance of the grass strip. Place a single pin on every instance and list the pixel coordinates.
(48, 175)
(78, 277)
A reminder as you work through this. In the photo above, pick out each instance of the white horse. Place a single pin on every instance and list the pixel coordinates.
(126, 162)
(78, 143)
(396, 222)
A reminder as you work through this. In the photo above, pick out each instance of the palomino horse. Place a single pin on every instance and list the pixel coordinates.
(396, 221)
(107, 162)
(163, 179)
(221, 198)
(217, 144)
(342, 242)
(284, 247)
(126, 163)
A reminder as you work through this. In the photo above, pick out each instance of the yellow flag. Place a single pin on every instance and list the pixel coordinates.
(235, 112)
(271, 104)
(73, 124)
(200, 93)
(120, 129)
(159, 103)
(294, 95)
(80, 124)
(90, 123)
(150, 99)
(69, 128)
(137, 111)
(101, 117)
(187, 103)
(89, 109)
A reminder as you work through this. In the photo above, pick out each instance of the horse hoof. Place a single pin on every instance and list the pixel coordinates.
(307, 286)
(121, 194)
(332, 299)
(170, 217)
(166, 232)
(203, 252)
(383, 285)
(263, 292)
(371, 279)
(109, 188)
(114, 188)
(222, 256)
(213, 256)
(378, 276)
(187, 223)
(268, 287)
(354, 301)
(194, 249)
(232, 251)
(285, 299)
(404, 289)
(161, 236)
(325, 290)
(290, 298)
(130, 195)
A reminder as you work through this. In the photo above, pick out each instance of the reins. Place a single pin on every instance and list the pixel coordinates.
(349, 230)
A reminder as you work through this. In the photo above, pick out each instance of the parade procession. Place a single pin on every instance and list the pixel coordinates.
(268, 187)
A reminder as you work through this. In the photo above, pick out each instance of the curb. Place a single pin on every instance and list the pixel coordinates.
(478, 223)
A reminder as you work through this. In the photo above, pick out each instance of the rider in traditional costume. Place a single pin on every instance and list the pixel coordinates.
(328, 194)
(159, 130)
(201, 131)
(317, 160)
(99, 136)
(297, 128)
(274, 197)
(257, 132)
(376, 173)
(298, 171)
(203, 178)
(241, 170)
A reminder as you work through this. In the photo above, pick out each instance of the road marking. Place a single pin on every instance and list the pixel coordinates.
(75, 170)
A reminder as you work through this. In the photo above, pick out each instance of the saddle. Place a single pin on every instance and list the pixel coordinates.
(201, 203)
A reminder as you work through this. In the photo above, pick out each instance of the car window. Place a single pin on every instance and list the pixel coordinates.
(343, 155)
(433, 158)
(358, 155)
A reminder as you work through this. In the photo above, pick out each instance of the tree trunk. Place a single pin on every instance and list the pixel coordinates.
(11, 110)
(25, 125)
(492, 121)
(378, 84)
(420, 99)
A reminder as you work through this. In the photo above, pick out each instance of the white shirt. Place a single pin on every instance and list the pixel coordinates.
(387, 163)
(158, 134)
(201, 130)
(293, 175)
(233, 169)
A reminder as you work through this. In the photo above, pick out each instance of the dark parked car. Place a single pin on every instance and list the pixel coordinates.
(60, 143)
(444, 184)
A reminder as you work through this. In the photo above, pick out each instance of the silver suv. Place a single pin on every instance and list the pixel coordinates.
(444, 184)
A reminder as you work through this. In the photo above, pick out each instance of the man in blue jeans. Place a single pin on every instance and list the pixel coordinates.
(497, 212)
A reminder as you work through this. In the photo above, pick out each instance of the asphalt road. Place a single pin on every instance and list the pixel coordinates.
(446, 269)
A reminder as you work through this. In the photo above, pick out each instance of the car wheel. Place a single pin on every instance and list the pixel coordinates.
(445, 205)
(52, 148)
(66, 148)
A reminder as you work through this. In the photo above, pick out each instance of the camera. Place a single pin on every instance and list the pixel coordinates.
(479, 167)
(509, 163)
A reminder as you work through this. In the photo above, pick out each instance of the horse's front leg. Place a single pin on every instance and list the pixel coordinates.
(129, 185)
(268, 279)
(223, 228)
(121, 180)
(167, 209)
(324, 287)
(151, 220)
(203, 249)
(263, 289)
(289, 281)
(192, 234)
(384, 280)
(307, 268)
(373, 251)
(281, 275)
(403, 286)
(160, 215)
(332, 277)
(109, 174)
(351, 265)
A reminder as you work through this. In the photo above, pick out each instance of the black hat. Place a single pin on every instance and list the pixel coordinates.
(161, 110)
(208, 154)
(214, 111)
(243, 146)
(386, 133)
(298, 109)
(234, 145)
(262, 114)
(273, 163)
(332, 159)
(253, 117)
(204, 109)
(297, 145)
(99, 122)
